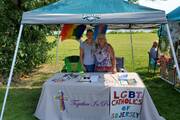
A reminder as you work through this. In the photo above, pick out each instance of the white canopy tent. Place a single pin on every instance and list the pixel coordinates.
(90, 12)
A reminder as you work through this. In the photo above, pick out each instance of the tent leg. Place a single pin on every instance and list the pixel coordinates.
(173, 51)
(57, 50)
(11, 72)
(132, 50)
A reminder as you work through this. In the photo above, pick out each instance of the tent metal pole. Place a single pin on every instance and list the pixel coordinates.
(173, 51)
(57, 49)
(11, 71)
(57, 45)
(132, 49)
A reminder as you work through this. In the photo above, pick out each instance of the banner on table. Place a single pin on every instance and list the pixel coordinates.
(83, 103)
(72, 31)
(126, 103)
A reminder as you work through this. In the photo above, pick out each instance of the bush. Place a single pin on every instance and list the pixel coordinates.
(33, 46)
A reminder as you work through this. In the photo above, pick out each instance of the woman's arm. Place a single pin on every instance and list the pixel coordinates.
(113, 58)
(81, 56)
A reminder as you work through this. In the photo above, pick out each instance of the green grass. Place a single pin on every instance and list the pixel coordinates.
(21, 103)
(23, 97)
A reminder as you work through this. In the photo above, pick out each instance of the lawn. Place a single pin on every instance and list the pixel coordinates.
(23, 97)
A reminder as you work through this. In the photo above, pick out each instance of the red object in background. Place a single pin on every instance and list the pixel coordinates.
(67, 31)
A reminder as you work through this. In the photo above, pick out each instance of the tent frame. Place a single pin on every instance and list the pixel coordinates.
(15, 56)
(113, 15)
(173, 50)
(11, 71)
(57, 48)
(132, 48)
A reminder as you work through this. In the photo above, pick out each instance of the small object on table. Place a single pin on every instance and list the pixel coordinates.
(125, 80)
(94, 78)
(69, 76)
(85, 78)
(123, 76)
(114, 79)
(57, 80)
(132, 81)
(66, 77)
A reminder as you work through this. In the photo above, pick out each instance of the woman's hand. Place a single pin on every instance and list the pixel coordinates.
(113, 59)
(84, 68)
(114, 70)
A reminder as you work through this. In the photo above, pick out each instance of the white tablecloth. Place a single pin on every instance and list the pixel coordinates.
(87, 100)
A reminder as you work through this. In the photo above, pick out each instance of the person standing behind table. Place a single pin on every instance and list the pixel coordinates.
(104, 56)
(154, 51)
(87, 49)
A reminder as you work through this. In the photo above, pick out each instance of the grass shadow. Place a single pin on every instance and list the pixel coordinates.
(162, 93)
(21, 103)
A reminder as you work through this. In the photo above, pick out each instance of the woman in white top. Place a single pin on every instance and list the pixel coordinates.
(87, 49)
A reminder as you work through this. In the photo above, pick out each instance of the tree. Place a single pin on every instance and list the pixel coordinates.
(33, 46)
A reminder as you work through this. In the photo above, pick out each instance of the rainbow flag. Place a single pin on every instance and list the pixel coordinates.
(72, 31)
(62, 104)
(100, 29)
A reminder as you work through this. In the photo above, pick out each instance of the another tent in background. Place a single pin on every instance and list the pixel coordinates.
(167, 68)
(174, 15)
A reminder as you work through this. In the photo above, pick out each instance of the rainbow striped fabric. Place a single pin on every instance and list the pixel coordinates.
(62, 104)
(72, 31)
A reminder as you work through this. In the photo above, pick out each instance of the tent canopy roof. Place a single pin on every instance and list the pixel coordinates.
(93, 11)
(174, 15)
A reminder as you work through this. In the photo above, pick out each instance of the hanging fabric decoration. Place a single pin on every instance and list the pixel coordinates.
(100, 29)
(67, 31)
(71, 31)
(78, 31)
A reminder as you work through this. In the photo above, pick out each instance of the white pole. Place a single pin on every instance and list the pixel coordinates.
(11, 72)
(132, 50)
(57, 49)
(173, 51)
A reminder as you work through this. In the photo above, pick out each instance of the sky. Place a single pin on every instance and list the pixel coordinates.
(167, 5)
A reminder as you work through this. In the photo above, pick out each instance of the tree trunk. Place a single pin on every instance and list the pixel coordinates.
(17, 3)
(1, 79)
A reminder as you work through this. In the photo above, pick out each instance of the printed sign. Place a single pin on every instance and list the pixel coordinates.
(83, 103)
(126, 103)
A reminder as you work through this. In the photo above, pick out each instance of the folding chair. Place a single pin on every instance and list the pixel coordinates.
(120, 64)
